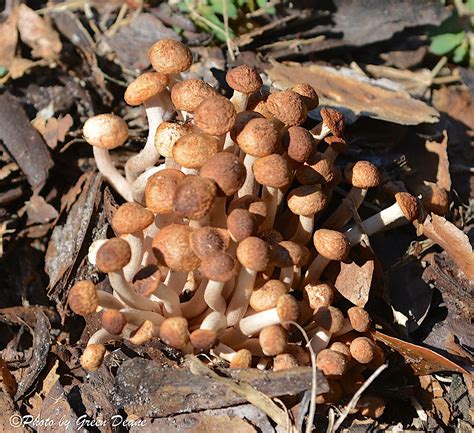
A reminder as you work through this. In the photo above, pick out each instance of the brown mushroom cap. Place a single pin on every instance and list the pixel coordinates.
(338, 144)
(331, 244)
(113, 255)
(262, 109)
(434, 198)
(241, 224)
(288, 253)
(244, 79)
(409, 205)
(329, 318)
(172, 248)
(203, 339)
(193, 150)
(131, 218)
(170, 57)
(307, 200)
(82, 298)
(215, 115)
(227, 172)
(258, 138)
(298, 143)
(188, 94)
(194, 197)
(359, 318)
(319, 295)
(206, 241)
(288, 310)
(253, 253)
(288, 107)
(241, 359)
(267, 296)
(273, 340)
(160, 189)
(362, 174)
(113, 321)
(316, 170)
(174, 332)
(284, 361)
(272, 236)
(332, 363)
(93, 356)
(340, 347)
(300, 353)
(167, 134)
(272, 170)
(371, 406)
(255, 205)
(144, 87)
(241, 120)
(334, 120)
(106, 131)
(362, 350)
(307, 94)
(218, 267)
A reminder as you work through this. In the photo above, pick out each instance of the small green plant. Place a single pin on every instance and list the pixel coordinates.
(219, 17)
(455, 37)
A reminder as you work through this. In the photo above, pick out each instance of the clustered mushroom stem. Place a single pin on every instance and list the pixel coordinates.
(102, 336)
(138, 187)
(240, 299)
(196, 305)
(250, 185)
(304, 230)
(176, 280)
(136, 242)
(343, 214)
(270, 197)
(239, 100)
(253, 324)
(108, 301)
(214, 321)
(287, 275)
(113, 176)
(213, 295)
(170, 300)
(137, 317)
(320, 131)
(320, 338)
(229, 144)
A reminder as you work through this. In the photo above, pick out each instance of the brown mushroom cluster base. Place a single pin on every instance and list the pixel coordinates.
(210, 203)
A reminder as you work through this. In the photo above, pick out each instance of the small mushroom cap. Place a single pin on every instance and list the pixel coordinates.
(319, 295)
(144, 333)
(300, 353)
(331, 244)
(144, 87)
(106, 131)
(272, 236)
(241, 224)
(409, 205)
(288, 309)
(331, 363)
(359, 318)
(226, 170)
(307, 94)
(206, 241)
(203, 339)
(255, 205)
(193, 150)
(186, 95)
(160, 189)
(172, 248)
(241, 120)
(267, 296)
(258, 138)
(329, 318)
(174, 332)
(340, 347)
(170, 57)
(253, 253)
(316, 170)
(307, 200)
(167, 134)
(194, 197)
(288, 253)
(338, 144)
(83, 299)
(113, 321)
(262, 109)
(284, 361)
(215, 115)
(93, 357)
(241, 359)
(219, 267)
(273, 340)
(113, 255)
(131, 218)
(363, 174)
(362, 350)
(244, 79)
(334, 120)
(288, 107)
(272, 170)
(298, 143)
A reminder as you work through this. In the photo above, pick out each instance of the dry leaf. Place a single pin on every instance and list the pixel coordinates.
(55, 130)
(38, 34)
(356, 93)
(452, 240)
(354, 281)
(9, 40)
(39, 211)
(443, 178)
(7, 379)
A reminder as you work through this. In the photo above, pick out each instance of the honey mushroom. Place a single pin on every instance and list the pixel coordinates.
(244, 80)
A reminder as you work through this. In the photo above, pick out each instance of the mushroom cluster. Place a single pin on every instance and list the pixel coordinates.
(220, 244)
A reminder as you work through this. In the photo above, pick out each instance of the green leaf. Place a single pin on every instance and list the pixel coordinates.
(218, 8)
(3, 71)
(451, 25)
(460, 52)
(443, 44)
(470, 5)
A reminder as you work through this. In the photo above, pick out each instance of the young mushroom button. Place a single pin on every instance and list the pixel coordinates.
(188, 94)
(170, 57)
(206, 241)
(244, 80)
(194, 149)
(287, 107)
(333, 123)
(307, 94)
(267, 296)
(331, 244)
(215, 116)
(298, 143)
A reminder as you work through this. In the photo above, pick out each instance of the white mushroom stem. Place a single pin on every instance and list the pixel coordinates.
(137, 317)
(196, 305)
(126, 293)
(213, 296)
(240, 101)
(93, 248)
(136, 243)
(158, 108)
(170, 300)
(214, 321)
(138, 187)
(204, 221)
(102, 336)
(316, 269)
(176, 280)
(229, 144)
(320, 131)
(304, 230)
(250, 185)
(113, 176)
(320, 338)
(347, 327)
(108, 301)
(218, 216)
(240, 299)
(344, 212)
(252, 345)
(270, 197)
(287, 275)
(224, 352)
(253, 324)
